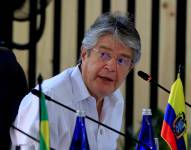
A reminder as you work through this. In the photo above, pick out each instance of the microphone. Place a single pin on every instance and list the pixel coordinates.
(37, 93)
(144, 76)
(147, 77)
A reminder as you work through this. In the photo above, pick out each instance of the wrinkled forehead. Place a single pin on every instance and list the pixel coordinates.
(112, 43)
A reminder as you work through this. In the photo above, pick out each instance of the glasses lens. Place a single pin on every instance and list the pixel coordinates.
(123, 61)
(105, 56)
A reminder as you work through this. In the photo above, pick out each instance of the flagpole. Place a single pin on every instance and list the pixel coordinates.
(180, 67)
(40, 90)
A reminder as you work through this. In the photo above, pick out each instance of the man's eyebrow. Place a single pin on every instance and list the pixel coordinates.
(105, 48)
(126, 55)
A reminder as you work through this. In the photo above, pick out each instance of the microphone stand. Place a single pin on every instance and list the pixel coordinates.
(147, 77)
(166, 90)
(37, 93)
(28, 135)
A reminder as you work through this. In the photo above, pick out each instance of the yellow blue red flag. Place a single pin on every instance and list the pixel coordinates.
(174, 124)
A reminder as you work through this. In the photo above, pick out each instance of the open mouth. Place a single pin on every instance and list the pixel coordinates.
(106, 79)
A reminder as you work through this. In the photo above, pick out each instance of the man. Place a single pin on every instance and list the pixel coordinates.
(13, 87)
(110, 49)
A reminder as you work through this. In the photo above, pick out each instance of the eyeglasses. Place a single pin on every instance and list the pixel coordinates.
(106, 56)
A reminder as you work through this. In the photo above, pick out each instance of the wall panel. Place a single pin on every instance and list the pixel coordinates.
(45, 47)
(166, 49)
(93, 9)
(69, 34)
(20, 36)
(141, 91)
(120, 5)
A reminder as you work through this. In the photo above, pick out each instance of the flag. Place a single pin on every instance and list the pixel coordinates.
(174, 124)
(44, 126)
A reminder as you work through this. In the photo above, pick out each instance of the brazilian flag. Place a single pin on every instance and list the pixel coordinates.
(44, 126)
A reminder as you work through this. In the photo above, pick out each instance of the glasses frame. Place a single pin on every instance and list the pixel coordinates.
(106, 56)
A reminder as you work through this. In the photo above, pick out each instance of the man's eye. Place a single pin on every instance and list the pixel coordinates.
(121, 61)
(105, 56)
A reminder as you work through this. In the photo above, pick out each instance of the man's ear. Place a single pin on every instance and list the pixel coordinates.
(83, 53)
(131, 67)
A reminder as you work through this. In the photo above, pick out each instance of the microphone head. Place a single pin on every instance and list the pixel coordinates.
(144, 76)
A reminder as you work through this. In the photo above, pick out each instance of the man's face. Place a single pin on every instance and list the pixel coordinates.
(106, 67)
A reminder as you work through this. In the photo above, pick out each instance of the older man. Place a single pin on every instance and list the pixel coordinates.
(110, 49)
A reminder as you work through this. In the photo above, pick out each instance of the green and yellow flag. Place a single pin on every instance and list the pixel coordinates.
(44, 126)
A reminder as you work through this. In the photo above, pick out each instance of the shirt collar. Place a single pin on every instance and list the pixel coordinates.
(79, 88)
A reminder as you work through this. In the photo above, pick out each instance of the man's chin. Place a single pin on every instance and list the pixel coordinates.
(106, 93)
(103, 90)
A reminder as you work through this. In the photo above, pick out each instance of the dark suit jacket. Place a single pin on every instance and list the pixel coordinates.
(13, 87)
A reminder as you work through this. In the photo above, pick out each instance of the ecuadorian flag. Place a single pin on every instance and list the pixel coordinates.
(44, 126)
(174, 124)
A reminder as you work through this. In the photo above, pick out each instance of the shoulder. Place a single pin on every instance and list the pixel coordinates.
(6, 53)
(58, 80)
(60, 86)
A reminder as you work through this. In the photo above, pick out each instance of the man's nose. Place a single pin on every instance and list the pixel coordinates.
(112, 64)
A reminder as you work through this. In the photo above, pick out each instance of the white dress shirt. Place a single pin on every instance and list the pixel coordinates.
(69, 89)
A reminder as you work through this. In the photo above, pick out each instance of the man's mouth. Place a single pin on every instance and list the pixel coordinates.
(106, 78)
